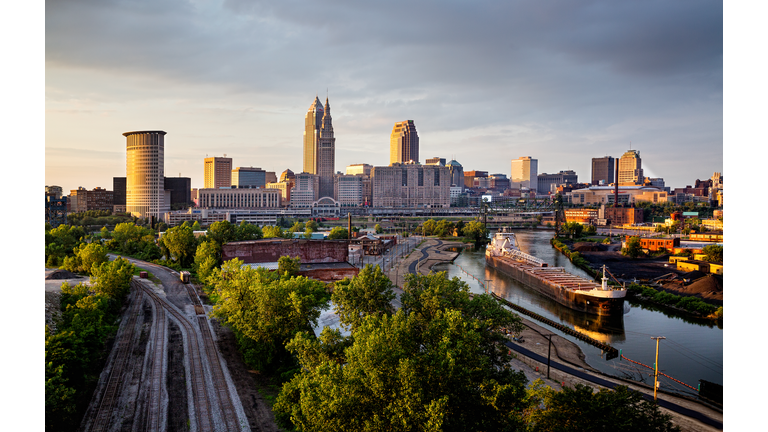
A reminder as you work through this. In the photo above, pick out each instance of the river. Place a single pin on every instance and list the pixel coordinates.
(692, 350)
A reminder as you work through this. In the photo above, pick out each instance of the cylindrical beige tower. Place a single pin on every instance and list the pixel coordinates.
(144, 182)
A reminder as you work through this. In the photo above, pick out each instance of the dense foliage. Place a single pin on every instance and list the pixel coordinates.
(60, 242)
(266, 309)
(688, 303)
(436, 364)
(75, 353)
(580, 409)
(633, 248)
(714, 253)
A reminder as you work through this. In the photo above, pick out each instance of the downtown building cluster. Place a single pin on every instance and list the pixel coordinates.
(403, 187)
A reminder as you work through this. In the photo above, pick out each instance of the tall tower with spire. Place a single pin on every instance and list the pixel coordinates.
(312, 123)
(326, 166)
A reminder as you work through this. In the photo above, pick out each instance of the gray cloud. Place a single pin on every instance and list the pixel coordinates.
(575, 76)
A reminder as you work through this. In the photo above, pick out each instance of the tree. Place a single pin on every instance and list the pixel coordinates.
(476, 231)
(112, 278)
(368, 293)
(429, 227)
(207, 258)
(288, 266)
(338, 233)
(272, 232)
(634, 248)
(246, 231)
(221, 232)
(407, 371)
(266, 309)
(311, 226)
(196, 226)
(378, 229)
(714, 253)
(579, 409)
(181, 244)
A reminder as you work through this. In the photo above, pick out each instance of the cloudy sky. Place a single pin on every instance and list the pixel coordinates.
(484, 81)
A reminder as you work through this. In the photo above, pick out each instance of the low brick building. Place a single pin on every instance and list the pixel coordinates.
(654, 244)
(324, 260)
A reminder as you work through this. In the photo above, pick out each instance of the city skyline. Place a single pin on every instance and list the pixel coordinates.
(563, 83)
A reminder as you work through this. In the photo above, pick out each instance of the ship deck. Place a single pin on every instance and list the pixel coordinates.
(555, 276)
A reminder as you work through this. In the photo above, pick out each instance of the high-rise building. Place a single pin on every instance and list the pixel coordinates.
(524, 173)
(348, 189)
(457, 174)
(180, 189)
(630, 169)
(249, 177)
(359, 169)
(118, 191)
(547, 183)
(404, 143)
(603, 170)
(411, 185)
(320, 146)
(85, 200)
(305, 190)
(218, 173)
(144, 174)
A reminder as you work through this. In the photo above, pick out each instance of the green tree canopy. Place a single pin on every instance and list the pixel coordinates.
(580, 409)
(714, 253)
(434, 365)
(368, 293)
(112, 278)
(207, 258)
(288, 266)
(266, 309)
(86, 255)
(378, 229)
(246, 231)
(221, 232)
(338, 233)
(181, 244)
(272, 232)
(196, 226)
(311, 226)
(633, 248)
(476, 231)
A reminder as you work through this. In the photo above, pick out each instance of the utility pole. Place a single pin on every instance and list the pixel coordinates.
(549, 352)
(656, 367)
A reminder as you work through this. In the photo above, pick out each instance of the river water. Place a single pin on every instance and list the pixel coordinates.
(692, 350)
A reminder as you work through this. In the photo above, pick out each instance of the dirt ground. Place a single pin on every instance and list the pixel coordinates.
(247, 382)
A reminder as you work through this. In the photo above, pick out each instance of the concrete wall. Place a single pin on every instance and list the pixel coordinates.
(270, 250)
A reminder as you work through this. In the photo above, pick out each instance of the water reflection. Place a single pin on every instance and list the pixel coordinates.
(603, 328)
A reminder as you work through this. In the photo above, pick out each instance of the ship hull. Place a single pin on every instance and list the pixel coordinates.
(571, 299)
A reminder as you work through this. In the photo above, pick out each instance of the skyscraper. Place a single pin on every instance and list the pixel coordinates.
(525, 173)
(144, 180)
(218, 173)
(404, 143)
(602, 170)
(630, 169)
(320, 145)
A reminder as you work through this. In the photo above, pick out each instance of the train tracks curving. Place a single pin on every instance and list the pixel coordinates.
(197, 373)
(114, 382)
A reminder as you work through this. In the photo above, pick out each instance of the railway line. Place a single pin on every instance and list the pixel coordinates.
(155, 414)
(111, 394)
(202, 402)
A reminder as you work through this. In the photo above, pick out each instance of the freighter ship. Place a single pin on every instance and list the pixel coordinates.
(569, 290)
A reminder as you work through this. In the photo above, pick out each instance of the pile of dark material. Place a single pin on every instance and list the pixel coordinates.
(588, 247)
(61, 274)
(708, 287)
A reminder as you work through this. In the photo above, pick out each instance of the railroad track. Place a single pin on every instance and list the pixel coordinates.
(115, 380)
(154, 409)
(200, 395)
(219, 381)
